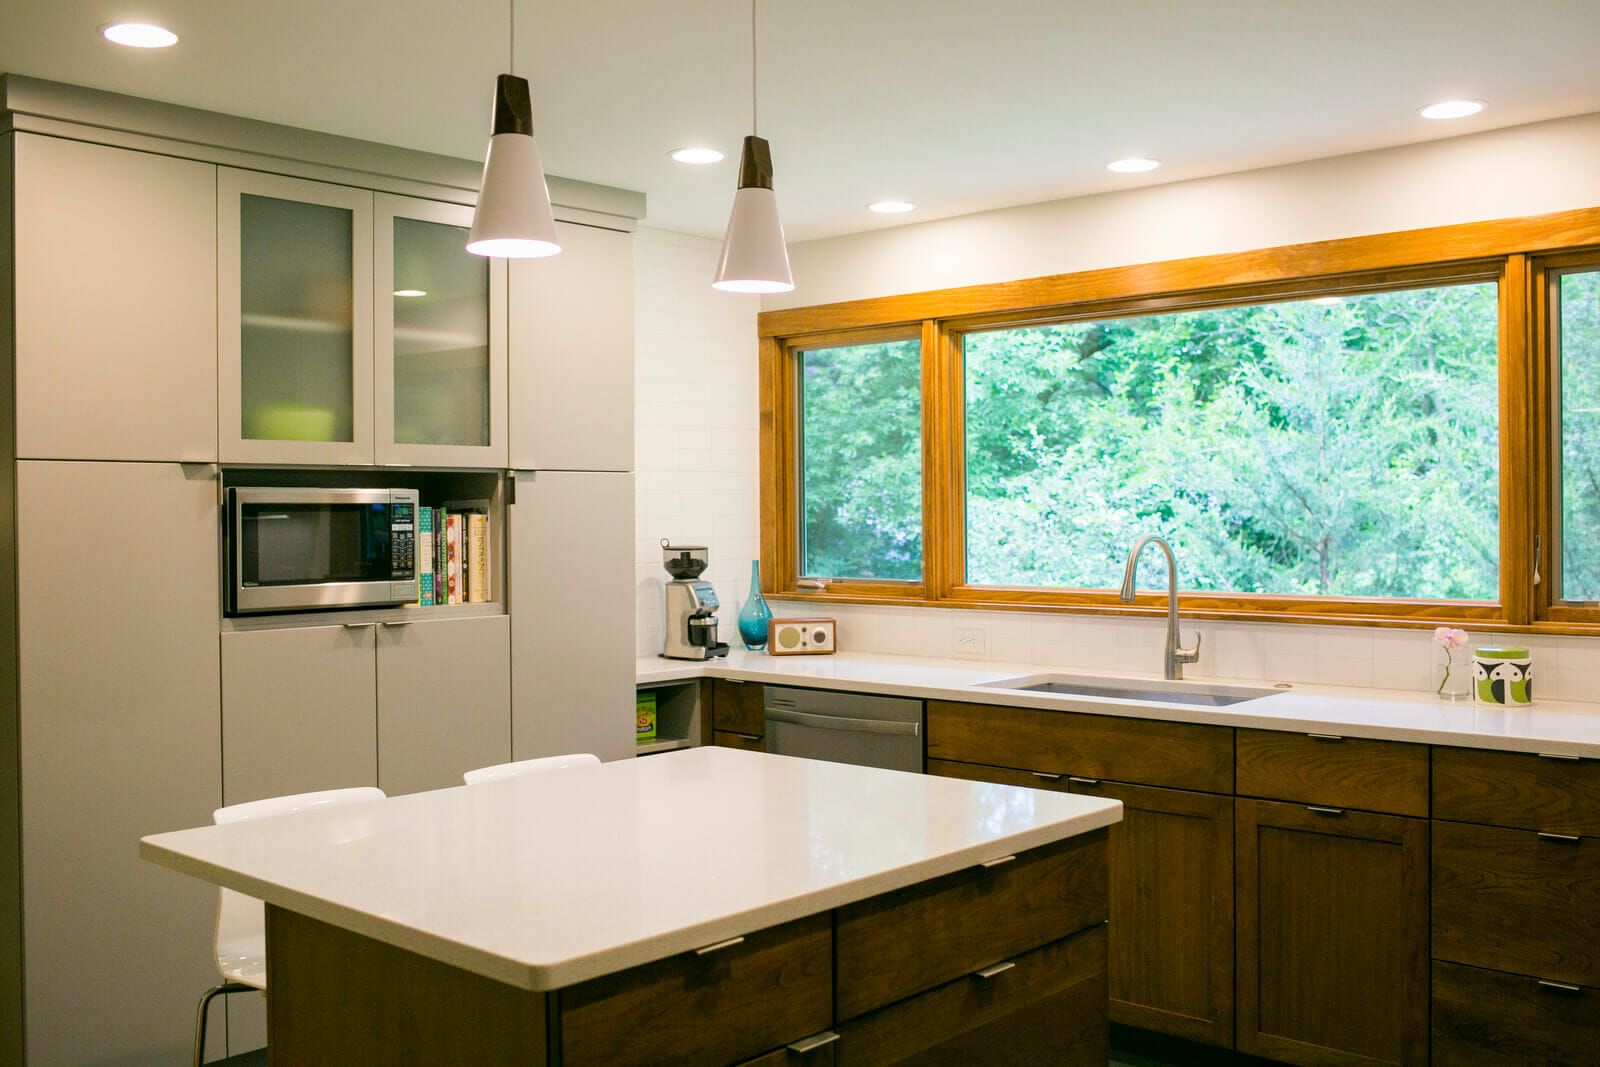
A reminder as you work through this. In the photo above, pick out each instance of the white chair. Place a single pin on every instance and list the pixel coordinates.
(501, 771)
(241, 941)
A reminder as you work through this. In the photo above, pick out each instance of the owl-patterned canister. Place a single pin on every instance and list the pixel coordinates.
(1502, 676)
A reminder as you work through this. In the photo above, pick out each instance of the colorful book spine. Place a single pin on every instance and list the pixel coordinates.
(440, 590)
(453, 557)
(477, 558)
(425, 557)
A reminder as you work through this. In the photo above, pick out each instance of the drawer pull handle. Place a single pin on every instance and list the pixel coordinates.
(1075, 780)
(999, 968)
(719, 946)
(1560, 987)
(1559, 755)
(814, 1042)
(1047, 776)
(360, 625)
(1325, 811)
(997, 862)
(1325, 737)
(1566, 839)
(748, 737)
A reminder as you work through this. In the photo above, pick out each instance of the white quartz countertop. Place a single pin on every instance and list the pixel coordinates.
(1551, 726)
(551, 879)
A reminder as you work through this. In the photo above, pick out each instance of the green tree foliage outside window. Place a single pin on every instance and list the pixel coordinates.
(1580, 437)
(1338, 447)
(861, 448)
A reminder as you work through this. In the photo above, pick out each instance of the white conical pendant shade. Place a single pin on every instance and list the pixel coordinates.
(513, 217)
(754, 256)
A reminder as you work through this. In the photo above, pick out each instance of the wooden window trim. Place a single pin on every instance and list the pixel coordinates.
(1519, 254)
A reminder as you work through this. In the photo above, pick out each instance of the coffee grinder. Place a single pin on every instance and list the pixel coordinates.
(691, 605)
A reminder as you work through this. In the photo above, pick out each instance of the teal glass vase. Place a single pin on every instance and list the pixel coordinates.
(755, 614)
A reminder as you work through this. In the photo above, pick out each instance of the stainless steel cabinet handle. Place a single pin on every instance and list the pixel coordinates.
(842, 722)
(997, 862)
(999, 968)
(1324, 811)
(360, 625)
(1560, 987)
(406, 622)
(748, 737)
(1325, 737)
(1559, 755)
(814, 1042)
(719, 946)
(1074, 779)
(1047, 776)
(1566, 839)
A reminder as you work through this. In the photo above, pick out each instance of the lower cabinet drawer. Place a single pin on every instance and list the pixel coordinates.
(722, 1007)
(1486, 1017)
(1339, 772)
(1513, 900)
(901, 943)
(1047, 1006)
(748, 742)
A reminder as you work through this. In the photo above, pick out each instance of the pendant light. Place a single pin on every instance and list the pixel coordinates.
(513, 217)
(754, 258)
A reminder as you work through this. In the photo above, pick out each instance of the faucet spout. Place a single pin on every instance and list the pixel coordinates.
(1175, 655)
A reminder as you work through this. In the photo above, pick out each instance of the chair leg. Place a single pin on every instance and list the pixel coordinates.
(200, 1015)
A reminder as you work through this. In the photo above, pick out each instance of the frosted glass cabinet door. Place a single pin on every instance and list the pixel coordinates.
(439, 338)
(294, 320)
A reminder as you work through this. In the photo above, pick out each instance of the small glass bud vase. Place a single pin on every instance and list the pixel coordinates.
(1455, 674)
(755, 614)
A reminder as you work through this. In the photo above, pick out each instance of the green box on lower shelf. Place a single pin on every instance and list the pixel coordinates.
(645, 722)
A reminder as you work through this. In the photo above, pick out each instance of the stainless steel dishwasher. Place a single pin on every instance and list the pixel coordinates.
(871, 731)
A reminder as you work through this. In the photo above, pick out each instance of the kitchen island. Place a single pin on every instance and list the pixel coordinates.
(707, 906)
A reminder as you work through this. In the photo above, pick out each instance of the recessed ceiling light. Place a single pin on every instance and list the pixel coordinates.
(1133, 166)
(411, 292)
(1451, 109)
(698, 156)
(890, 207)
(138, 35)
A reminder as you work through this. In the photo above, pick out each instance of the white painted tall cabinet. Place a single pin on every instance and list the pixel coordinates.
(128, 703)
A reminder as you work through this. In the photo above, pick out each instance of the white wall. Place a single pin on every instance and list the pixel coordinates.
(695, 401)
(1524, 170)
(697, 458)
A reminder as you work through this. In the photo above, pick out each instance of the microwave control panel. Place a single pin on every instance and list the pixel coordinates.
(403, 538)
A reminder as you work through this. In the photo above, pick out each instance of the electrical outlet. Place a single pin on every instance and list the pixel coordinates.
(969, 641)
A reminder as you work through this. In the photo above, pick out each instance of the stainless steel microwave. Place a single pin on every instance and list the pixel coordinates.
(310, 549)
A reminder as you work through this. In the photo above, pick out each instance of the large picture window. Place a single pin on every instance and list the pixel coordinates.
(1345, 446)
(1400, 429)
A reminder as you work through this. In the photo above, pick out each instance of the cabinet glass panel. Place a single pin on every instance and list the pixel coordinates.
(441, 337)
(295, 294)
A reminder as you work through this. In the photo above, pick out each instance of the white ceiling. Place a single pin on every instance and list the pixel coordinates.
(956, 105)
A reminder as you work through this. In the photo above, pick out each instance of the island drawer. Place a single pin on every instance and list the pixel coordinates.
(1139, 751)
(1044, 1006)
(1516, 900)
(902, 943)
(1486, 1017)
(718, 1007)
(1534, 792)
(1332, 771)
(736, 707)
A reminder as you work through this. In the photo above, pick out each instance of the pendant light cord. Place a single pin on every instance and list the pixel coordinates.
(753, 128)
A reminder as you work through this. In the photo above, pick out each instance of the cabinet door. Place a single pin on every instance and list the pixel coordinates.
(299, 711)
(439, 338)
(116, 303)
(444, 701)
(119, 725)
(572, 614)
(571, 337)
(294, 320)
(1332, 935)
(1171, 911)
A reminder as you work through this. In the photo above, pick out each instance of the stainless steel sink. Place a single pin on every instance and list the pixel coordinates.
(1153, 691)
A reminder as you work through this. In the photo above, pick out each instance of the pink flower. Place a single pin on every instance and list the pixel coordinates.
(1447, 637)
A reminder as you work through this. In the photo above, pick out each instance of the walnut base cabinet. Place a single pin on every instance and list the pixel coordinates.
(736, 715)
(1332, 914)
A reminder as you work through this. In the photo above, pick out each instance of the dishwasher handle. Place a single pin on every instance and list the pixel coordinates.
(843, 722)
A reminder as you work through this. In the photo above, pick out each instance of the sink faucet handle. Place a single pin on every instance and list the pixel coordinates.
(1188, 655)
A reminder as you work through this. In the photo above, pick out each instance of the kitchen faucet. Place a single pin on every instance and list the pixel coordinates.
(1175, 657)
